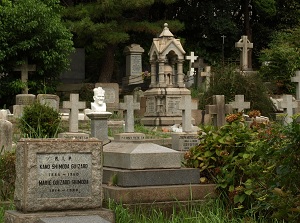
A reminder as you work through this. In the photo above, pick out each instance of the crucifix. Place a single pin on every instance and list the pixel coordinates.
(245, 45)
(129, 106)
(25, 68)
(192, 58)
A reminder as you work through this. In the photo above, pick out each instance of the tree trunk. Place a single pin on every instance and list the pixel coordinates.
(107, 66)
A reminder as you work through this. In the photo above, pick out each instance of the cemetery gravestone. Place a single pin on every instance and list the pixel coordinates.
(287, 104)
(206, 76)
(6, 132)
(219, 109)
(25, 69)
(22, 100)
(239, 103)
(192, 58)
(50, 100)
(58, 178)
(111, 95)
(245, 45)
(297, 80)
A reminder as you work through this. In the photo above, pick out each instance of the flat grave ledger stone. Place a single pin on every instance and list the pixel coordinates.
(58, 174)
(111, 94)
(50, 100)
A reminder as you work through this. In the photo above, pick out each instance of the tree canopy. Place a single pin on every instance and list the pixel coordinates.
(32, 29)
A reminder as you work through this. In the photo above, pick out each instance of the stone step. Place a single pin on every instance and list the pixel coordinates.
(150, 194)
(150, 177)
(136, 155)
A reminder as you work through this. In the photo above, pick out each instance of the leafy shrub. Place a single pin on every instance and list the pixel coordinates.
(7, 175)
(39, 121)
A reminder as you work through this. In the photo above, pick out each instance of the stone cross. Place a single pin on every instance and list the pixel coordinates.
(74, 105)
(192, 58)
(25, 68)
(245, 44)
(219, 109)
(287, 104)
(129, 106)
(297, 80)
(240, 103)
(206, 73)
(186, 106)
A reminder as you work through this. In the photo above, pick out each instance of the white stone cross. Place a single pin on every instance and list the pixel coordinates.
(240, 103)
(25, 68)
(245, 44)
(287, 104)
(186, 106)
(297, 80)
(74, 105)
(219, 109)
(129, 106)
(192, 58)
(206, 73)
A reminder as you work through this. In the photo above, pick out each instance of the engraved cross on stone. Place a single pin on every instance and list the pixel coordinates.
(287, 104)
(186, 106)
(240, 103)
(206, 73)
(129, 106)
(219, 109)
(297, 80)
(74, 105)
(245, 44)
(25, 68)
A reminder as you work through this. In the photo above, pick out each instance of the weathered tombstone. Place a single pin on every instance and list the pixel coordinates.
(133, 64)
(76, 74)
(240, 103)
(74, 105)
(191, 73)
(287, 104)
(245, 45)
(219, 109)
(50, 100)
(297, 80)
(5, 132)
(58, 179)
(129, 106)
(111, 95)
(25, 68)
(206, 76)
(22, 100)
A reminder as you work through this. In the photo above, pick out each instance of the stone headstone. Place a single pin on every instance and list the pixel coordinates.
(219, 109)
(140, 156)
(133, 64)
(297, 80)
(50, 100)
(240, 103)
(74, 105)
(184, 141)
(206, 76)
(6, 135)
(22, 100)
(111, 95)
(287, 104)
(186, 107)
(25, 68)
(245, 45)
(129, 106)
(191, 73)
(76, 74)
(4, 114)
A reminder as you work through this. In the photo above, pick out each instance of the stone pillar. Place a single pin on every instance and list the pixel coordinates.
(180, 82)
(161, 72)
(99, 126)
(153, 73)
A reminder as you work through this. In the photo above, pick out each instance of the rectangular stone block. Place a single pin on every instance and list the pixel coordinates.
(126, 136)
(58, 174)
(150, 177)
(184, 141)
(134, 155)
(74, 219)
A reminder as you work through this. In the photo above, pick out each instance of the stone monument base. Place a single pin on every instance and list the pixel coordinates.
(183, 141)
(74, 135)
(130, 136)
(97, 215)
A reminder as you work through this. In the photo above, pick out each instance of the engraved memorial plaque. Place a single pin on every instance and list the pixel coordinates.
(136, 64)
(64, 175)
(110, 95)
(188, 141)
(173, 106)
(150, 106)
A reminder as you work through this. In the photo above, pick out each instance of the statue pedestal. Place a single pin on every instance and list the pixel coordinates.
(99, 127)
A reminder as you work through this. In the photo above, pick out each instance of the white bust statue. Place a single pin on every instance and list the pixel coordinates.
(98, 105)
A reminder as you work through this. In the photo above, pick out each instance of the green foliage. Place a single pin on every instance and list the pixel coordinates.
(256, 169)
(7, 175)
(39, 121)
(282, 59)
(226, 81)
(33, 30)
